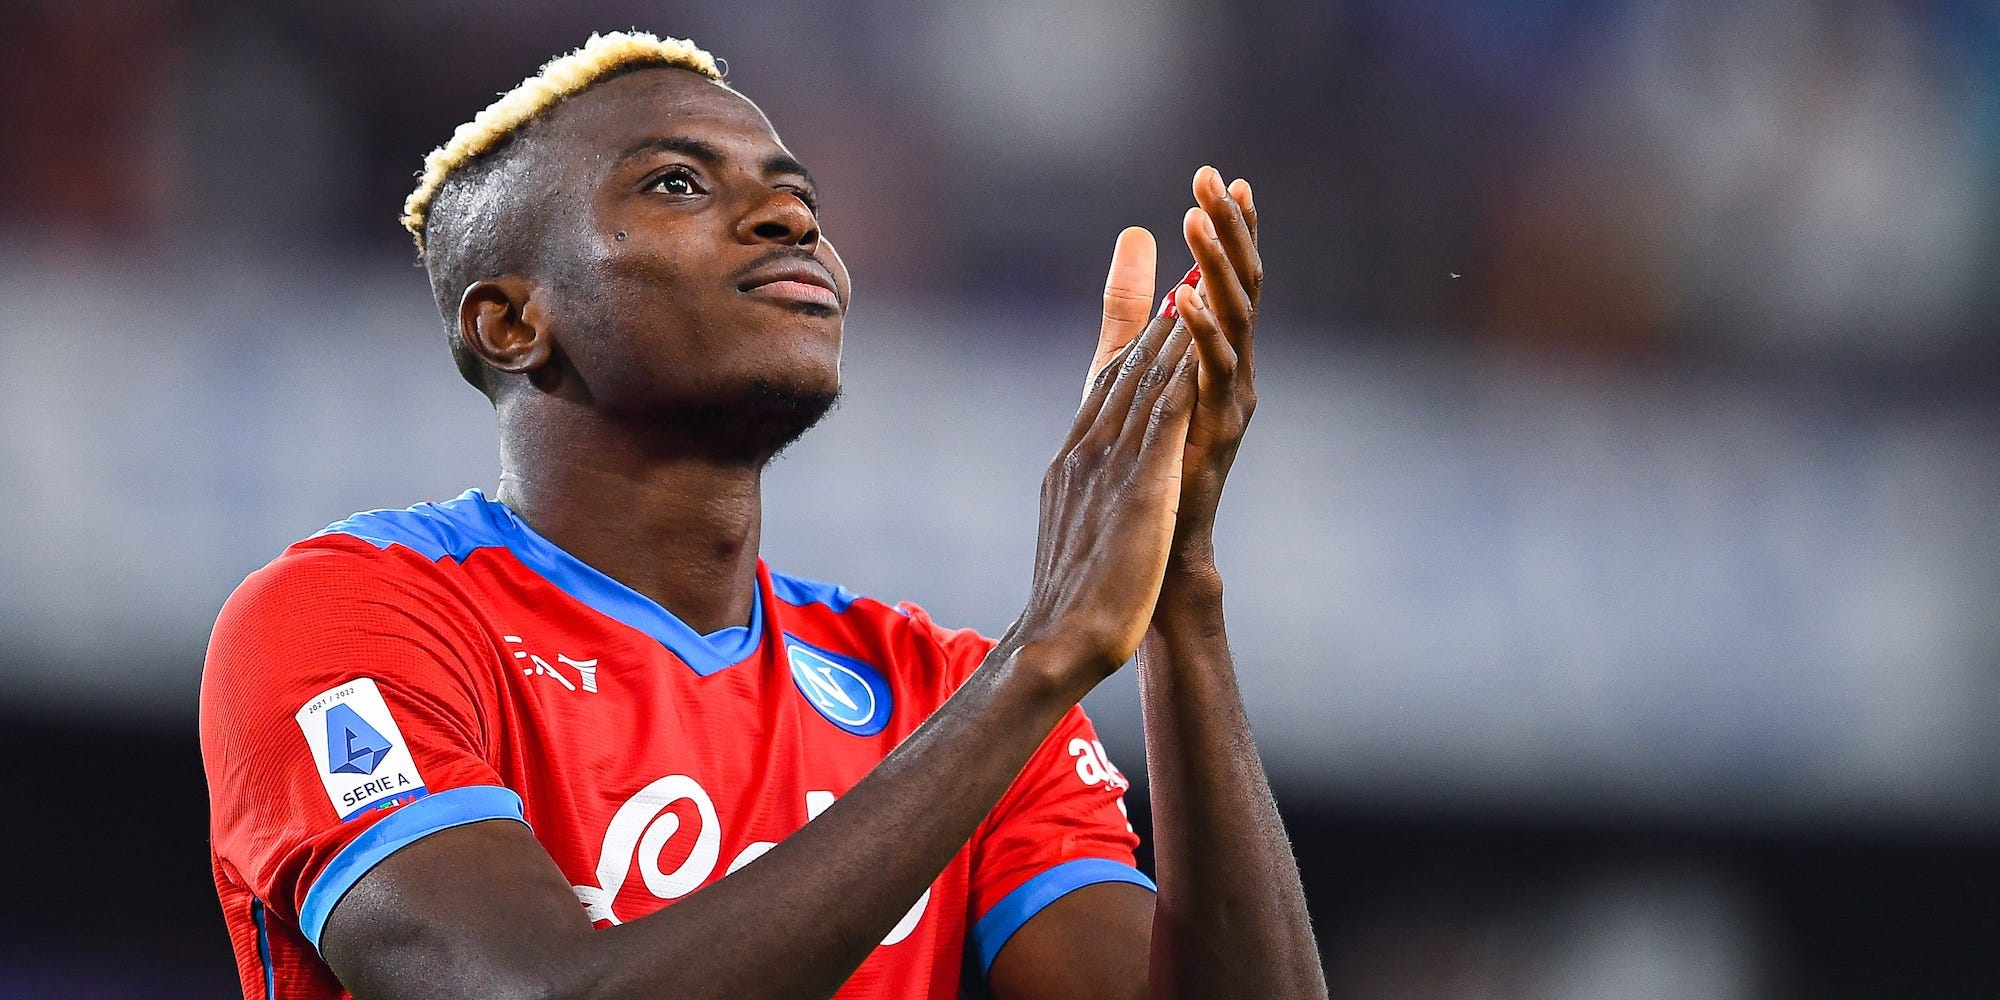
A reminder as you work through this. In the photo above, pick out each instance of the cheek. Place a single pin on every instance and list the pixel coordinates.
(621, 326)
(647, 294)
(645, 268)
(831, 257)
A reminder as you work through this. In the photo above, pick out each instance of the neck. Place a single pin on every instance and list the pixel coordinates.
(680, 528)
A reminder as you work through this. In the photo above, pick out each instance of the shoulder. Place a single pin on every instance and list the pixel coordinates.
(375, 580)
(435, 531)
(365, 595)
(372, 554)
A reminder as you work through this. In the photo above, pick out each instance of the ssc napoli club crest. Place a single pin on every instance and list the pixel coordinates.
(845, 691)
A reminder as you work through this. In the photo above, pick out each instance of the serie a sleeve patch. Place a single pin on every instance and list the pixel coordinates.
(361, 755)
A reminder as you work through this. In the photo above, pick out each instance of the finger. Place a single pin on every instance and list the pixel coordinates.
(1218, 357)
(1163, 320)
(1220, 286)
(1161, 446)
(1128, 297)
(1111, 394)
(1239, 189)
(1164, 443)
(1167, 308)
(1154, 381)
(1232, 229)
(1100, 386)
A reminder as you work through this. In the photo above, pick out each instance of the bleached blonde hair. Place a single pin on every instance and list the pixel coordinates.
(600, 56)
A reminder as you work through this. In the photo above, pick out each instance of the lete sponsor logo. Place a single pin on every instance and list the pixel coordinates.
(645, 825)
(362, 758)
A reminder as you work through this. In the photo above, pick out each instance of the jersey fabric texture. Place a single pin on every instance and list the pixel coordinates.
(406, 671)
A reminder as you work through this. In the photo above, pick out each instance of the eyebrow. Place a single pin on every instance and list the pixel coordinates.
(708, 154)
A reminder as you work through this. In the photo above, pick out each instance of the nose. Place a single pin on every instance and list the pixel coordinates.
(779, 217)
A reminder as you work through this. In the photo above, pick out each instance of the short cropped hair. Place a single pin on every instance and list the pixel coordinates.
(463, 193)
(600, 56)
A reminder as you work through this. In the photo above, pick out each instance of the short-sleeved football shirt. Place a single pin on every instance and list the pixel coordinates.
(407, 671)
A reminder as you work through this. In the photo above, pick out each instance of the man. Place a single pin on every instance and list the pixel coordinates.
(431, 733)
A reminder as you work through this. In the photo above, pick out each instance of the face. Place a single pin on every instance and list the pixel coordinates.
(683, 275)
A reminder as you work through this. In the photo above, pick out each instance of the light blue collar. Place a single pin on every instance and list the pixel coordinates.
(458, 527)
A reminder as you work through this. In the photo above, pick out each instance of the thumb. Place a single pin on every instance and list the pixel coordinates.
(1128, 297)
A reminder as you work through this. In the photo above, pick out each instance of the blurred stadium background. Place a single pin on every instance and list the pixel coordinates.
(1613, 567)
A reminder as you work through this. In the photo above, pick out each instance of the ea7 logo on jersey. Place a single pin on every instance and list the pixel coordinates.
(362, 758)
(849, 693)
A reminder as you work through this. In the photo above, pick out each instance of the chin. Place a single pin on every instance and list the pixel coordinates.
(753, 419)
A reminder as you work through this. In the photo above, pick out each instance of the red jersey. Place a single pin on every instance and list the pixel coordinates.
(407, 671)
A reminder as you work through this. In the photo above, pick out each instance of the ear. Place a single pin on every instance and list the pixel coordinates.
(501, 324)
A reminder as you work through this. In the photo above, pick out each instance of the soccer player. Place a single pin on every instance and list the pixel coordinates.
(576, 739)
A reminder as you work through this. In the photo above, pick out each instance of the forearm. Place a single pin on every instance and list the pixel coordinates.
(1231, 917)
(826, 896)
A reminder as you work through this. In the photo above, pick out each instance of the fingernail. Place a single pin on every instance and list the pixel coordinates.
(1167, 308)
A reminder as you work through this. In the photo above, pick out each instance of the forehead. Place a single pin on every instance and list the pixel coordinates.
(609, 117)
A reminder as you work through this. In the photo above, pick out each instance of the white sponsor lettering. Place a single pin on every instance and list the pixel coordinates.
(642, 828)
(535, 666)
(1094, 766)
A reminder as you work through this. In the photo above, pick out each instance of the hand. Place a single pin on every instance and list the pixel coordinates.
(1222, 313)
(1109, 504)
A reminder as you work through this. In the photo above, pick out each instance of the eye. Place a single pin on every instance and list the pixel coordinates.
(806, 195)
(676, 180)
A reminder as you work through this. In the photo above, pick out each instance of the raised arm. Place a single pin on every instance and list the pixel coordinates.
(1230, 918)
(481, 910)
(1232, 915)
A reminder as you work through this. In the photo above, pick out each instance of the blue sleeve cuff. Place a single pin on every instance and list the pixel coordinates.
(400, 829)
(1010, 913)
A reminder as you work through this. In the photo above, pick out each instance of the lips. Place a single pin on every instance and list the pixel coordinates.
(793, 279)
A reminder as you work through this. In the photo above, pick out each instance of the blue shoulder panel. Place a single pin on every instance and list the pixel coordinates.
(799, 592)
(453, 528)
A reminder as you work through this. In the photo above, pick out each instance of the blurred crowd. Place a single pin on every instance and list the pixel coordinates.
(1804, 181)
